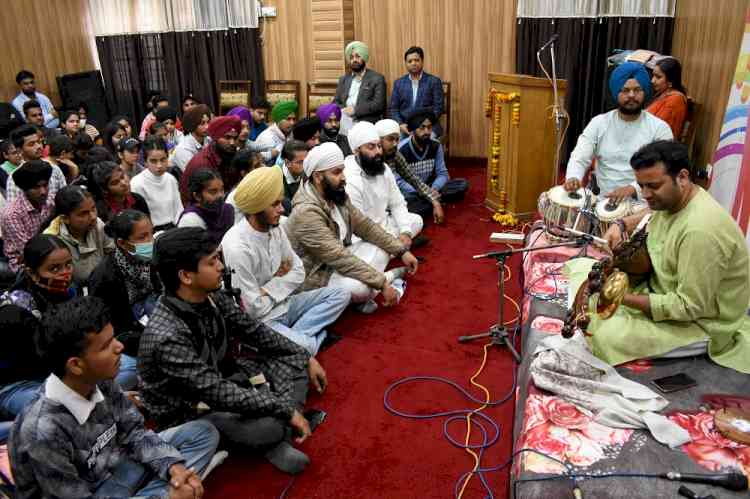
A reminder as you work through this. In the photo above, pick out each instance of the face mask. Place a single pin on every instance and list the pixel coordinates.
(82, 123)
(214, 205)
(143, 251)
(58, 284)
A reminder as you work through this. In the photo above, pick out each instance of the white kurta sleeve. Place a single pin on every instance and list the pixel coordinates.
(583, 154)
(279, 288)
(397, 205)
(242, 260)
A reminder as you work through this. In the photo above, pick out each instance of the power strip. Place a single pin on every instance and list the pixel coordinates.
(507, 238)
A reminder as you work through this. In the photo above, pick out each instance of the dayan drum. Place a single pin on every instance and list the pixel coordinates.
(560, 210)
(608, 212)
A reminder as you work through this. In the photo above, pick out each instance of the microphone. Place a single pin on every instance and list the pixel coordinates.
(730, 481)
(586, 236)
(552, 40)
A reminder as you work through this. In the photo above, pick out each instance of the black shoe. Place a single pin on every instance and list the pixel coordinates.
(315, 418)
(329, 341)
(419, 241)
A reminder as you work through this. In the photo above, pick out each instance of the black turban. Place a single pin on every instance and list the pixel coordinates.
(306, 128)
(165, 113)
(416, 119)
(31, 173)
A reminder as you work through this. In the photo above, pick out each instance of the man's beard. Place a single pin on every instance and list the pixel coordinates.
(357, 67)
(226, 156)
(372, 166)
(29, 93)
(389, 157)
(423, 142)
(628, 111)
(263, 219)
(336, 195)
(332, 132)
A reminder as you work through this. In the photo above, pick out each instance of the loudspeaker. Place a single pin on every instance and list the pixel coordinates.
(85, 87)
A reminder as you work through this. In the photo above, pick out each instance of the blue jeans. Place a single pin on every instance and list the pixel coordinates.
(13, 398)
(196, 441)
(308, 314)
(127, 378)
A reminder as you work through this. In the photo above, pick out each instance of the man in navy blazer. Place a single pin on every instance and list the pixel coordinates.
(361, 93)
(416, 92)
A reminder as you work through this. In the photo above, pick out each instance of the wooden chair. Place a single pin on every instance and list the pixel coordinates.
(688, 128)
(233, 93)
(279, 90)
(318, 94)
(445, 119)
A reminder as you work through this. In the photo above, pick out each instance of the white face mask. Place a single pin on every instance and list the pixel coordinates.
(82, 123)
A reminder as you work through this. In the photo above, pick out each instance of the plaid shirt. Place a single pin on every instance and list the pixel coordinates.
(56, 182)
(401, 167)
(184, 359)
(19, 222)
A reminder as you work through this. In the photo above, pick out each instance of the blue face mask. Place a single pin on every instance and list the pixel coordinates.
(143, 251)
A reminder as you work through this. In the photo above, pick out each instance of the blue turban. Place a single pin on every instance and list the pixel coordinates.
(326, 110)
(626, 71)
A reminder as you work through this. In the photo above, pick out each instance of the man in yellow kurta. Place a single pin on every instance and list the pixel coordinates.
(700, 285)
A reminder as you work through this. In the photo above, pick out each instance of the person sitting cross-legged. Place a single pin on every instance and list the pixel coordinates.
(321, 229)
(83, 436)
(191, 352)
(426, 160)
(268, 272)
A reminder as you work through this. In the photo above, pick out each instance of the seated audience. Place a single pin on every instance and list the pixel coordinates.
(613, 137)
(97, 154)
(255, 402)
(416, 92)
(195, 127)
(372, 189)
(427, 202)
(11, 159)
(330, 116)
(25, 81)
(243, 163)
(84, 437)
(272, 139)
(125, 122)
(83, 144)
(34, 116)
(76, 223)
(84, 125)
(670, 97)
(260, 108)
(159, 189)
(129, 156)
(112, 134)
(217, 155)
(681, 310)
(168, 117)
(27, 140)
(61, 154)
(268, 272)
(125, 279)
(24, 215)
(293, 154)
(360, 94)
(424, 157)
(308, 131)
(112, 191)
(70, 123)
(156, 102)
(207, 208)
(187, 103)
(321, 228)
(45, 281)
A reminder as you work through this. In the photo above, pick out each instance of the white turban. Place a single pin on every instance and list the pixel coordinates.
(387, 127)
(323, 157)
(363, 132)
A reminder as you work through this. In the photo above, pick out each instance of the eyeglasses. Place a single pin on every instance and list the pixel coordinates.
(634, 91)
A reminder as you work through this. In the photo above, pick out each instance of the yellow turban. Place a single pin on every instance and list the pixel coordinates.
(259, 189)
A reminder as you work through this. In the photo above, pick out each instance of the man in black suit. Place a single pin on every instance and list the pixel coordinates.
(361, 94)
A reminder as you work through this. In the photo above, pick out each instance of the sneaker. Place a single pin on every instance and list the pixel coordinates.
(218, 458)
(367, 307)
(287, 459)
(400, 286)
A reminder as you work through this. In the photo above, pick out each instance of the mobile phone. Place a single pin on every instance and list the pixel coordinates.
(674, 383)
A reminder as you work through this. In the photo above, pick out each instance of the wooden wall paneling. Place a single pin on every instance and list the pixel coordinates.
(287, 43)
(332, 28)
(707, 42)
(47, 38)
(463, 42)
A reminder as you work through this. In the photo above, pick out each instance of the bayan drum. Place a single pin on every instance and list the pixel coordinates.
(560, 210)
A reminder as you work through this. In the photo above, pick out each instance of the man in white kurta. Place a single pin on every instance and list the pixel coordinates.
(373, 190)
(268, 272)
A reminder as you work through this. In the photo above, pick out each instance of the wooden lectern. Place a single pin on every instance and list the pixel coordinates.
(521, 155)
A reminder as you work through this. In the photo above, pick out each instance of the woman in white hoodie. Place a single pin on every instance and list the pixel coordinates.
(158, 188)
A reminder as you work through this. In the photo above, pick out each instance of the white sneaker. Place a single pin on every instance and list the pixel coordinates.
(218, 458)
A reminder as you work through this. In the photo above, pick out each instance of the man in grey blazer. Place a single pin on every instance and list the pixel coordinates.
(361, 94)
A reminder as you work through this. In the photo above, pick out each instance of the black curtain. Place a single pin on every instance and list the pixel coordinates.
(175, 64)
(581, 55)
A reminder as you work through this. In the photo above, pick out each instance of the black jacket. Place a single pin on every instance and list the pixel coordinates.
(370, 105)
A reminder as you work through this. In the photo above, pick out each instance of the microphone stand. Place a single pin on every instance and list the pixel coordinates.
(498, 333)
(556, 114)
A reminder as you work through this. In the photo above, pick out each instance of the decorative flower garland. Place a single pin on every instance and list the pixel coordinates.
(493, 110)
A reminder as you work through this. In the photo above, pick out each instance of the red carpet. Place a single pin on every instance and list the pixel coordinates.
(363, 451)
